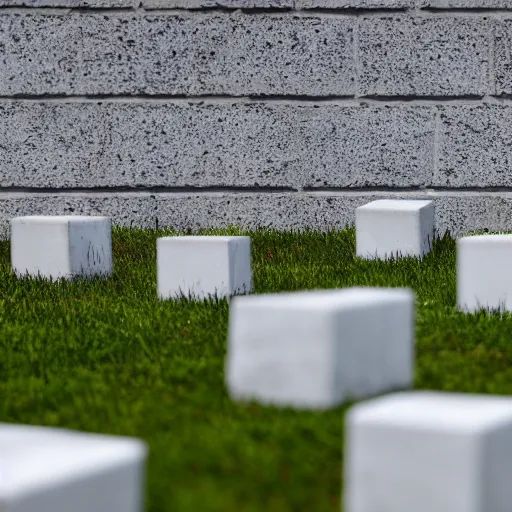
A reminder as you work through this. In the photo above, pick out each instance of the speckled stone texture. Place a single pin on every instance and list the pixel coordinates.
(189, 54)
(234, 4)
(457, 212)
(503, 56)
(475, 147)
(125, 209)
(218, 144)
(438, 56)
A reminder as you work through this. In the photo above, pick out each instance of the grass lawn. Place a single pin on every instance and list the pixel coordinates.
(107, 356)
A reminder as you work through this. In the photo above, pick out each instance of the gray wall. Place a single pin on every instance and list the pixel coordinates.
(287, 113)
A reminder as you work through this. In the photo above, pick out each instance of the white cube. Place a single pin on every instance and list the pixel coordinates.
(429, 452)
(57, 470)
(61, 246)
(202, 267)
(317, 349)
(390, 228)
(484, 276)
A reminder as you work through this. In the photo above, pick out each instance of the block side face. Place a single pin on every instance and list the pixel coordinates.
(427, 228)
(376, 356)
(196, 269)
(119, 489)
(482, 282)
(41, 249)
(240, 265)
(496, 468)
(283, 358)
(382, 234)
(399, 469)
(91, 247)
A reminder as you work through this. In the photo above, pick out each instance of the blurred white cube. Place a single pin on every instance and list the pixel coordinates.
(484, 272)
(390, 228)
(56, 470)
(429, 452)
(202, 267)
(61, 246)
(317, 349)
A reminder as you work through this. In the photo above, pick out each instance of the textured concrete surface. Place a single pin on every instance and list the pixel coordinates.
(234, 4)
(217, 144)
(128, 209)
(264, 4)
(438, 56)
(457, 212)
(475, 147)
(70, 3)
(503, 56)
(190, 54)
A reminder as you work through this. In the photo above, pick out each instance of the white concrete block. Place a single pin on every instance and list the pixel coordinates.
(56, 470)
(203, 266)
(61, 246)
(390, 227)
(426, 452)
(484, 272)
(317, 349)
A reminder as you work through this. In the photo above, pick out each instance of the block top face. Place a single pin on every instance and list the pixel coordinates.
(46, 219)
(396, 205)
(212, 239)
(425, 410)
(485, 239)
(36, 457)
(324, 300)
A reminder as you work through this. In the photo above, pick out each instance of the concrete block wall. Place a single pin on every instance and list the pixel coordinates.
(283, 113)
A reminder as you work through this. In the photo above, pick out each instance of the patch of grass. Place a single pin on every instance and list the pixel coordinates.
(106, 356)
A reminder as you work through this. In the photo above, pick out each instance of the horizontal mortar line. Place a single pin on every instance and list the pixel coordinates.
(62, 9)
(270, 99)
(464, 10)
(145, 190)
(227, 190)
(409, 190)
(278, 11)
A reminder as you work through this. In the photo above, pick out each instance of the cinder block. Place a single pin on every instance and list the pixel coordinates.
(56, 470)
(393, 228)
(474, 146)
(401, 55)
(61, 246)
(317, 349)
(194, 54)
(426, 451)
(226, 144)
(484, 277)
(502, 56)
(203, 266)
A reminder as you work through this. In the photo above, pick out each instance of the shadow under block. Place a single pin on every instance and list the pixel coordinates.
(56, 470)
(484, 272)
(390, 227)
(428, 451)
(61, 246)
(202, 267)
(317, 349)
